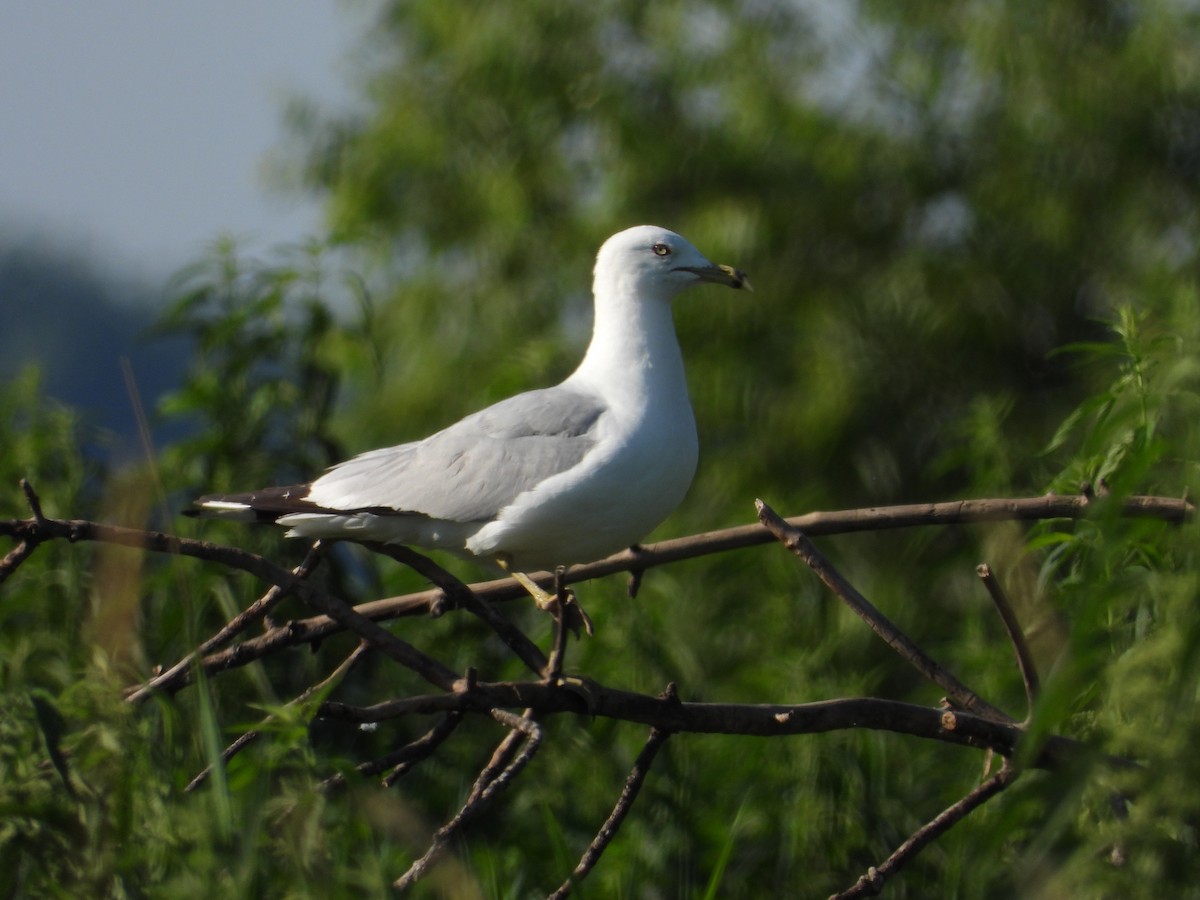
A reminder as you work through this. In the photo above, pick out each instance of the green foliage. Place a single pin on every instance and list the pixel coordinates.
(261, 387)
(930, 201)
(41, 442)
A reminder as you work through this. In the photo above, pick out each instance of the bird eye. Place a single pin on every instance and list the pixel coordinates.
(661, 250)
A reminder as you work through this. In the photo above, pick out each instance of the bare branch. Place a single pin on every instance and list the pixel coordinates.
(1025, 663)
(379, 637)
(243, 741)
(410, 754)
(982, 726)
(15, 557)
(763, 720)
(634, 583)
(872, 883)
(249, 737)
(24, 549)
(1168, 509)
(35, 504)
(1173, 510)
(334, 608)
(640, 558)
(455, 590)
(562, 612)
(957, 512)
(462, 597)
(76, 530)
(558, 651)
(401, 760)
(497, 775)
(795, 540)
(170, 679)
(629, 793)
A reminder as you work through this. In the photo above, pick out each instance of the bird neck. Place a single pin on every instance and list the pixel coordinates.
(634, 351)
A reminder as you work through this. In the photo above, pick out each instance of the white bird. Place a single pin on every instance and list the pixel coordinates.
(547, 478)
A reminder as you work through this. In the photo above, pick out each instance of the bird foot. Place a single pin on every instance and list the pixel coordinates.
(574, 616)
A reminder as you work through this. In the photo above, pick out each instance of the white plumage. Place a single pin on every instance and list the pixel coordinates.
(551, 477)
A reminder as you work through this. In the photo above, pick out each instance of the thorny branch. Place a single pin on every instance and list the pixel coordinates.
(978, 724)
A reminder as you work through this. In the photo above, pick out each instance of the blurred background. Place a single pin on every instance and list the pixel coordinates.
(133, 138)
(972, 233)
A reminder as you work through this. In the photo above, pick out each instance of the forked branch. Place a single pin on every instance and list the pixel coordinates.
(796, 541)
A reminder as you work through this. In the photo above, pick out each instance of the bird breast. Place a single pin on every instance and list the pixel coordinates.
(612, 499)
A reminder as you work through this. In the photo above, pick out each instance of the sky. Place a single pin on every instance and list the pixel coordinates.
(136, 132)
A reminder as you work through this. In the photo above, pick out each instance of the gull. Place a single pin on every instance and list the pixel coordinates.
(551, 477)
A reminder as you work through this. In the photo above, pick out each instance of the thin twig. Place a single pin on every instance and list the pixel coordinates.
(243, 741)
(872, 883)
(497, 775)
(455, 589)
(526, 725)
(381, 639)
(461, 596)
(801, 546)
(574, 614)
(409, 755)
(629, 793)
(15, 557)
(35, 504)
(633, 584)
(249, 737)
(254, 612)
(401, 760)
(558, 651)
(1025, 663)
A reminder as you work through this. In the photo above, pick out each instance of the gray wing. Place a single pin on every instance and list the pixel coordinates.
(473, 469)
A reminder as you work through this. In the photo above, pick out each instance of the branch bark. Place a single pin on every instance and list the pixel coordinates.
(796, 541)
(509, 758)
(1016, 636)
(637, 560)
(629, 793)
(758, 720)
(872, 883)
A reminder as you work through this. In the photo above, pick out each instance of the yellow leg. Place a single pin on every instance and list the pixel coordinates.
(576, 617)
(543, 598)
